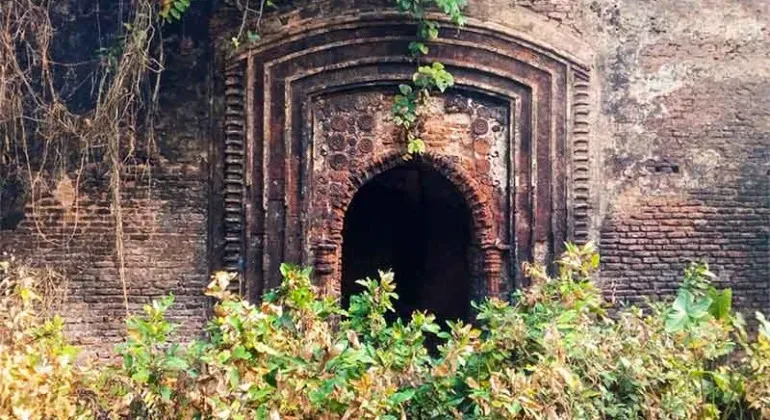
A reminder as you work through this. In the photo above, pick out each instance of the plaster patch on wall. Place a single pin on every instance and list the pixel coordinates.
(65, 192)
(645, 88)
(706, 165)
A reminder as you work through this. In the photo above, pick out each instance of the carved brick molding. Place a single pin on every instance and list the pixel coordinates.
(307, 123)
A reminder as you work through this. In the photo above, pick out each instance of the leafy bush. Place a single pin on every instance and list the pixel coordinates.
(551, 353)
(38, 375)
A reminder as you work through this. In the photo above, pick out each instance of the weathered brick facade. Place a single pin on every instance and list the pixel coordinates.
(642, 125)
(164, 217)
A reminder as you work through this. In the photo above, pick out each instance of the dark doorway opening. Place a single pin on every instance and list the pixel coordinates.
(413, 220)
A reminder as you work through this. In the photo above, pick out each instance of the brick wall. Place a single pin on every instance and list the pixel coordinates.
(73, 231)
(68, 223)
(686, 146)
(645, 252)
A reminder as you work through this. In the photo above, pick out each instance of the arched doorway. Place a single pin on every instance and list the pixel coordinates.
(413, 220)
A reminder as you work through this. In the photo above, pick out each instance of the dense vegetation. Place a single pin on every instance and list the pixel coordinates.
(553, 353)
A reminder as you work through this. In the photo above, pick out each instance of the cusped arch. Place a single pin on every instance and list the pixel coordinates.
(465, 184)
(327, 261)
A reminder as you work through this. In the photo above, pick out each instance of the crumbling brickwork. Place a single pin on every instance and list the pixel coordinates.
(68, 222)
(687, 152)
(73, 230)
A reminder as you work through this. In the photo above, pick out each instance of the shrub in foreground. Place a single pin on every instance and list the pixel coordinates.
(553, 353)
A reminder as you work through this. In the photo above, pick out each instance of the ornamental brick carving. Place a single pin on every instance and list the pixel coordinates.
(308, 124)
(366, 146)
(454, 152)
(365, 122)
(479, 126)
(338, 124)
(338, 161)
(337, 142)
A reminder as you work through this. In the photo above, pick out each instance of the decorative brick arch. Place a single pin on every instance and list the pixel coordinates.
(328, 247)
(306, 108)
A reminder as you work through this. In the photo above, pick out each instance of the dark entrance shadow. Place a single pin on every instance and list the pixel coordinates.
(413, 220)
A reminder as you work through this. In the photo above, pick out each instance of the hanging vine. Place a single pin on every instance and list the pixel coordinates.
(429, 77)
(42, 134)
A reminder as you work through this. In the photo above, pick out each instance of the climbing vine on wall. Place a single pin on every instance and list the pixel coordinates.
(429, 77)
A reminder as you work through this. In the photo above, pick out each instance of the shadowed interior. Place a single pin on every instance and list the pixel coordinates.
(411, 219)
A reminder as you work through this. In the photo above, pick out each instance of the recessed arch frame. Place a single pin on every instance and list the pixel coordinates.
(266, 136)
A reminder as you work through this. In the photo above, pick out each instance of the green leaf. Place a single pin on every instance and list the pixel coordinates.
(180, 6)
(286, 269)
(700, 308)
(270, 377)
(401, 397)
(141, 375)
(567, 317)
(428, 30)
(416, 146)
(686, 310)
(417, 48)
(432, 328)
(722, 381)
(233, 376)
(165, 392)
(240, 352)
(175, 13)
(676, 319)
(175, 363)
(433, 76)
(721, 303)
(223, 356)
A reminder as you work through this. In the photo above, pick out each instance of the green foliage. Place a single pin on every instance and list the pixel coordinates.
(698, 300)
(152, 366)
(404, 109)
(38, 375)
(552, 352)
(171, 10)
(426, 79)
(417, 8)
(415, 146)
(432, 77)
(409, 98)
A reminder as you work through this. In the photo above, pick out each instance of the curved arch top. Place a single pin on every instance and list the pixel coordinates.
(328, 244)
(510, 24)
(468, 187)
(306, 111)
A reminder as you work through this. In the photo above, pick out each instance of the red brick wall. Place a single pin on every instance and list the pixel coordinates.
(645, 252)
(164, 216)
